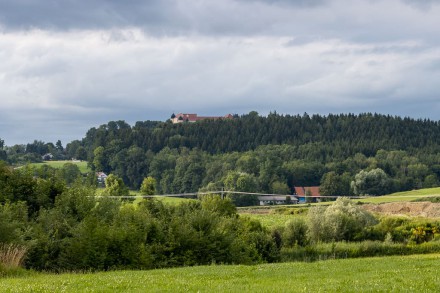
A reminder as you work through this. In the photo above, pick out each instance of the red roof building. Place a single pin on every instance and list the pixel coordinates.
(301, 190)
(183, 117)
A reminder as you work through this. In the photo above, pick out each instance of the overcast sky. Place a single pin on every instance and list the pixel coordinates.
(69, 65)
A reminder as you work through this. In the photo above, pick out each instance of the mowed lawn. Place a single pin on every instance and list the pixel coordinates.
(383, 274)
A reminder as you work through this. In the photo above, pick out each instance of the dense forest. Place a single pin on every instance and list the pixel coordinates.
(344, 154)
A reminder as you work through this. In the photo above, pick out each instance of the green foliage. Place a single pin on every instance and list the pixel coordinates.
(99, 159)
(243, 200)
(70, 173)
(374, 182)
(236, 181)
(295, 233)
(148, 186)
(343, 220)
(13, 222)
(85, 233)
(114, 186)
(431, 181)
(215, 204)
(334, 184)
(298, 150)
(280, 188)
(368, 248)
(433, 199)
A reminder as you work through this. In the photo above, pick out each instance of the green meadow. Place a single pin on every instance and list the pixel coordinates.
(270, 220)
(417, 273)
(403, 196)
(82, 165)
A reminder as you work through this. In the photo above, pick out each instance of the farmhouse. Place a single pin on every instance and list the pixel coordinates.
(277, 199)
(183, 117)
(310, 193)
(101, 177)
(47, 157)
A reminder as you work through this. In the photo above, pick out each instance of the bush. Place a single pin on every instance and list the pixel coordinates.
(343, 220)
(114, 186)
(13, 222)
(215, 204)
(295, 233)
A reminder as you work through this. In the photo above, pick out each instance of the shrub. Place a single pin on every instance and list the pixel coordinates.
(215, 204)
(13, 222)
(148, 186)
(295, 233)
(114, 186)
(343, 220)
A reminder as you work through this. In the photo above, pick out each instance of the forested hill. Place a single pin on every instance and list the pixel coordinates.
(265, 154)
(343, 135)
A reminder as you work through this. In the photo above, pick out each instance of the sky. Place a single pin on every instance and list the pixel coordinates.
(69, 65)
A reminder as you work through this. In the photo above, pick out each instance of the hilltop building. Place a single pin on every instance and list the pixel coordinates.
(183, 117)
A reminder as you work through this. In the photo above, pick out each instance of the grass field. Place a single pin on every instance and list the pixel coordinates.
(59, 164)
(417, 273)
(165, 199)
(270, 220)
(403, 196)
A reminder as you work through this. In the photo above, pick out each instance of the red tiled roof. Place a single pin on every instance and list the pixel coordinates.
(194, 117)
(301, 190)
(190, 117)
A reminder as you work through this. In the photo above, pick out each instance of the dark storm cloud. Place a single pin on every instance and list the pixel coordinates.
(159, 14)
(355, 20)
(71, 14)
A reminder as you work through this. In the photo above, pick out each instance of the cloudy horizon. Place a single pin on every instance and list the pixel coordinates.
(67, 66)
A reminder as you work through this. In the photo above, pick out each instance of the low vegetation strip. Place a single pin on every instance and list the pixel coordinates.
(416, 273)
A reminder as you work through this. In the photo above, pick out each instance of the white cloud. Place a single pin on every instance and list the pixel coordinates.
(214, 57)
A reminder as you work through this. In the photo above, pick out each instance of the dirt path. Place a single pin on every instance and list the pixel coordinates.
(414, 209)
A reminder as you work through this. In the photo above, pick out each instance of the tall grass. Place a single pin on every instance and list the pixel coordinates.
(338, 250)
(12, 255)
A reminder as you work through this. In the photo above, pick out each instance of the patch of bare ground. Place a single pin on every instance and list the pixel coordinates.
(413, 209)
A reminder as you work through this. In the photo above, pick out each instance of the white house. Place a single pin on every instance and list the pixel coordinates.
(277, 199)
(101, 177)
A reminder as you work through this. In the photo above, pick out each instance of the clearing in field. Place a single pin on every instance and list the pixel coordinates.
(82, 165)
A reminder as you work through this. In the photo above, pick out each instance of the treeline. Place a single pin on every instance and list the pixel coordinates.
(34, 152)
(340, 135)
(267, 154)
(277, 169)
(273, 169)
